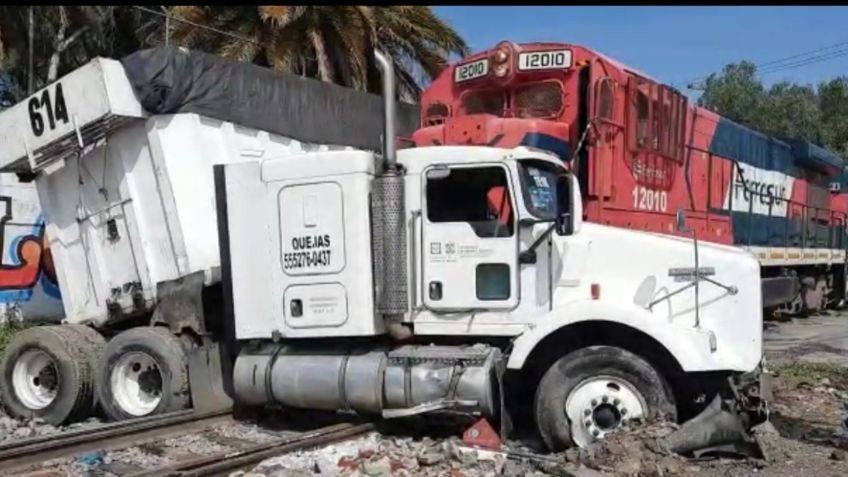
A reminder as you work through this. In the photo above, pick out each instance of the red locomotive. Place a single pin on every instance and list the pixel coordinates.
(642, 152)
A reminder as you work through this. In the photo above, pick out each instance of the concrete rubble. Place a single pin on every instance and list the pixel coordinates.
(375, 456)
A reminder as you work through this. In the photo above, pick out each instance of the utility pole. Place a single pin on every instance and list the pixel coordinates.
(30, 69)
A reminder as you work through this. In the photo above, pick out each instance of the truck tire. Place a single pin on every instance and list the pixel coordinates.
(143, 371)
(47, 373)
(594, 390)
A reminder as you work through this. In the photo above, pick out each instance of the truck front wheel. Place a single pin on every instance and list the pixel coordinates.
(143, 371)
(595, 390)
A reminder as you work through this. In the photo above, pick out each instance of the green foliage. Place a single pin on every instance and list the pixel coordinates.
(735, 93)
(331, 43)
(6, 332)
(786, 110)
(814, 372)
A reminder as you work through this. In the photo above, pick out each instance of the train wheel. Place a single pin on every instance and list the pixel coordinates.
(143, 371)
(595, 390)
(47, 372)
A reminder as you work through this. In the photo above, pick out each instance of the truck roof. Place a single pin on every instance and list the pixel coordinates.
(98, 97)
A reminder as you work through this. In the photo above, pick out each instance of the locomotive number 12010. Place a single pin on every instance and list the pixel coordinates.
(649, 199)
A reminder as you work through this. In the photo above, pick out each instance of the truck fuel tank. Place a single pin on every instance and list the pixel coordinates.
(404, 381)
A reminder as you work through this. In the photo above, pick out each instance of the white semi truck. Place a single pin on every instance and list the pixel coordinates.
(408, 282)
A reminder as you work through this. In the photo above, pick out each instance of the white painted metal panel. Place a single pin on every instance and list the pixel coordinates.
(267, 210)
(312, 232)
(251, 269)
(44, 125)
(160, 197)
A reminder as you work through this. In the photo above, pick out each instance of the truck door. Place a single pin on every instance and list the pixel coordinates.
(469, 240)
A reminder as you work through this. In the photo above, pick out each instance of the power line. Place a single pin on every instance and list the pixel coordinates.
(807, 61)
(197, 25)
(781, 60)
(787, 63)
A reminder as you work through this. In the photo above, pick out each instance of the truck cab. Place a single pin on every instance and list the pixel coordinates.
(494, 254)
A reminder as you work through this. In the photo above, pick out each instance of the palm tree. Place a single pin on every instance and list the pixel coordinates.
(331, 43)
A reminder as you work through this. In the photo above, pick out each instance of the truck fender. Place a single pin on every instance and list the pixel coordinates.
(688, 345)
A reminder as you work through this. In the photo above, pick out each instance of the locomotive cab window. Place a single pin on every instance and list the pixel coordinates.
(484, 102)
(538, 100)
(478, 196)
(606, 99)
(642, 119)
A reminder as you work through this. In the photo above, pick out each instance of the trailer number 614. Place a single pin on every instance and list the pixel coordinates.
(43, 107)
(649, 199)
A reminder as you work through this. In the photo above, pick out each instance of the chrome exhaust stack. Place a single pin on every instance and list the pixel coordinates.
(388, 226)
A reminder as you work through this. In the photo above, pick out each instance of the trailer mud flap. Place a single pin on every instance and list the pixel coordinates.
(210, 390)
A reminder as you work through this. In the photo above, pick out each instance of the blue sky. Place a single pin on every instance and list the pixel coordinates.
(672, 44)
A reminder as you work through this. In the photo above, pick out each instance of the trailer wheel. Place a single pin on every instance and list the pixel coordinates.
(594, 390)
(47, 372)
(143, 371)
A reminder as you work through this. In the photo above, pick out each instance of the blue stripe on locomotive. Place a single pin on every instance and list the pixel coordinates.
(758, 230)
(548, 143)
(734, 141)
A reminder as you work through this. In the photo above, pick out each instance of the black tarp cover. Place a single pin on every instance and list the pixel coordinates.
(171, 80)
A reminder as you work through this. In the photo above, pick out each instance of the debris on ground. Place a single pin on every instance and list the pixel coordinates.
(376, 456)
(805, 436)
(11, 429)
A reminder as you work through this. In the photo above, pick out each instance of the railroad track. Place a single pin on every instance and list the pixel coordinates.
(56, 454)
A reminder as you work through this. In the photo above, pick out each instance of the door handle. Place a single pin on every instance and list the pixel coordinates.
(435, 290)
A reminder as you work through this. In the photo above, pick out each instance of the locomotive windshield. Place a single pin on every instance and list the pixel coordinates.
(539, 187)
(532, 100)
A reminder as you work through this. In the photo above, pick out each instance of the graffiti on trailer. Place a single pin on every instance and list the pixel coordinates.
(31, 263)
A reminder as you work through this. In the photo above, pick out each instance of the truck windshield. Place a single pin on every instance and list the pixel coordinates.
(539, 187)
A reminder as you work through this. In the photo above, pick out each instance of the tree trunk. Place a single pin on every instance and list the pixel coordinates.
(61, 44)
(325, 69)
(53, 68)
(30, 48)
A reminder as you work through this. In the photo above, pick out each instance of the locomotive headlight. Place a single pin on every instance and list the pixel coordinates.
(502, 59)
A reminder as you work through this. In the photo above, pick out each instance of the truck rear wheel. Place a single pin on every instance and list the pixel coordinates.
(595, 390)
(143, 371)
(47, 372)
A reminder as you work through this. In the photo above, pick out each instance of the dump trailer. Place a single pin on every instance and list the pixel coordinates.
(463, 279)
(121, 155)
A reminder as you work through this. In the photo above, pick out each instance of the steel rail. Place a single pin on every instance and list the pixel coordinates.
(19, 455)
(225, 462)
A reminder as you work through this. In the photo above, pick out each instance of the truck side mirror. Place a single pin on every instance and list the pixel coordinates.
(564, 217)
(564, 225)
